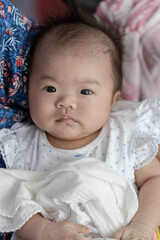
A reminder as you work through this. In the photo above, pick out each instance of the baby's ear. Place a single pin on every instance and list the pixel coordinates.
(116, 97)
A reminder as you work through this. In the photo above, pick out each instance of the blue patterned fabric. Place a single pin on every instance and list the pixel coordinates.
(16, 32)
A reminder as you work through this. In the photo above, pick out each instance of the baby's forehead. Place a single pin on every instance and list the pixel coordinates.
(75, 40)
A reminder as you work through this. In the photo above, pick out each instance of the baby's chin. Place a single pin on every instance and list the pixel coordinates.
(72, 142)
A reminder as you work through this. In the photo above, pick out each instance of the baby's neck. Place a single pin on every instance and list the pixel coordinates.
(71, 144)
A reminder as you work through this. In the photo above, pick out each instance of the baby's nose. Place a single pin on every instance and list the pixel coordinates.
(66, 102)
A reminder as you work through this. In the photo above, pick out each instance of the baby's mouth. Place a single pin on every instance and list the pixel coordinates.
(65, 118)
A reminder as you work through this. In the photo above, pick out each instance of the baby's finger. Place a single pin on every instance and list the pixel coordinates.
(118, 234)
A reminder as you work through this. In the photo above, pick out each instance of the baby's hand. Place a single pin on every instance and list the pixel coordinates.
(136, 231)
(65, 231)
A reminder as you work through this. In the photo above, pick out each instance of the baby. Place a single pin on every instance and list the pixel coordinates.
(74, 81)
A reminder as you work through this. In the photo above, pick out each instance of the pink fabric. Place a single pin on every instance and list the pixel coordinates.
(138, 24)
(154, 237)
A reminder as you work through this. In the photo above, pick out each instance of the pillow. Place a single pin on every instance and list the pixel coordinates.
(16, 32)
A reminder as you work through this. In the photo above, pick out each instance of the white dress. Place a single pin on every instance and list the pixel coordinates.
(128, 141)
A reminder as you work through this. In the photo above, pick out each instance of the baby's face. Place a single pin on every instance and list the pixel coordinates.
(70, 97)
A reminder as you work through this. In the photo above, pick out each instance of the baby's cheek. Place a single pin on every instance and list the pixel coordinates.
(158, 154)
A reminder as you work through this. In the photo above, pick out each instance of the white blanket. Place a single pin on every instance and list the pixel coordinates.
(108, 198)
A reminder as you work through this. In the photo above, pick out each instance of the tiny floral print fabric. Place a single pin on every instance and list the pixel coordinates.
(16, 32)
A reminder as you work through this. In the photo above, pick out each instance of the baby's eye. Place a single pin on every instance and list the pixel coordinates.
(50, 89)
(86, 92)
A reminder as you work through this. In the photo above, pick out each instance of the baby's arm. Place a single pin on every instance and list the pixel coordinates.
(147, 218)
(42, 229)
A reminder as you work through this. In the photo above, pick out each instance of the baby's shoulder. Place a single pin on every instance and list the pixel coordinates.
(138, 124)
(145, 110)
(17, 143)
(19, 132)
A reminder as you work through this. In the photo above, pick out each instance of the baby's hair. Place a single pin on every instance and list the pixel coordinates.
(72, 29)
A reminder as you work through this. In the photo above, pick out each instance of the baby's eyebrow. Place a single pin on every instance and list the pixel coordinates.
(82, 81)
(89, 81)
(46, 77)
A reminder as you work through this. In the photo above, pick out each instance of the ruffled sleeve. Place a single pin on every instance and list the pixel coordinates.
(147, 131)
(11, 146)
